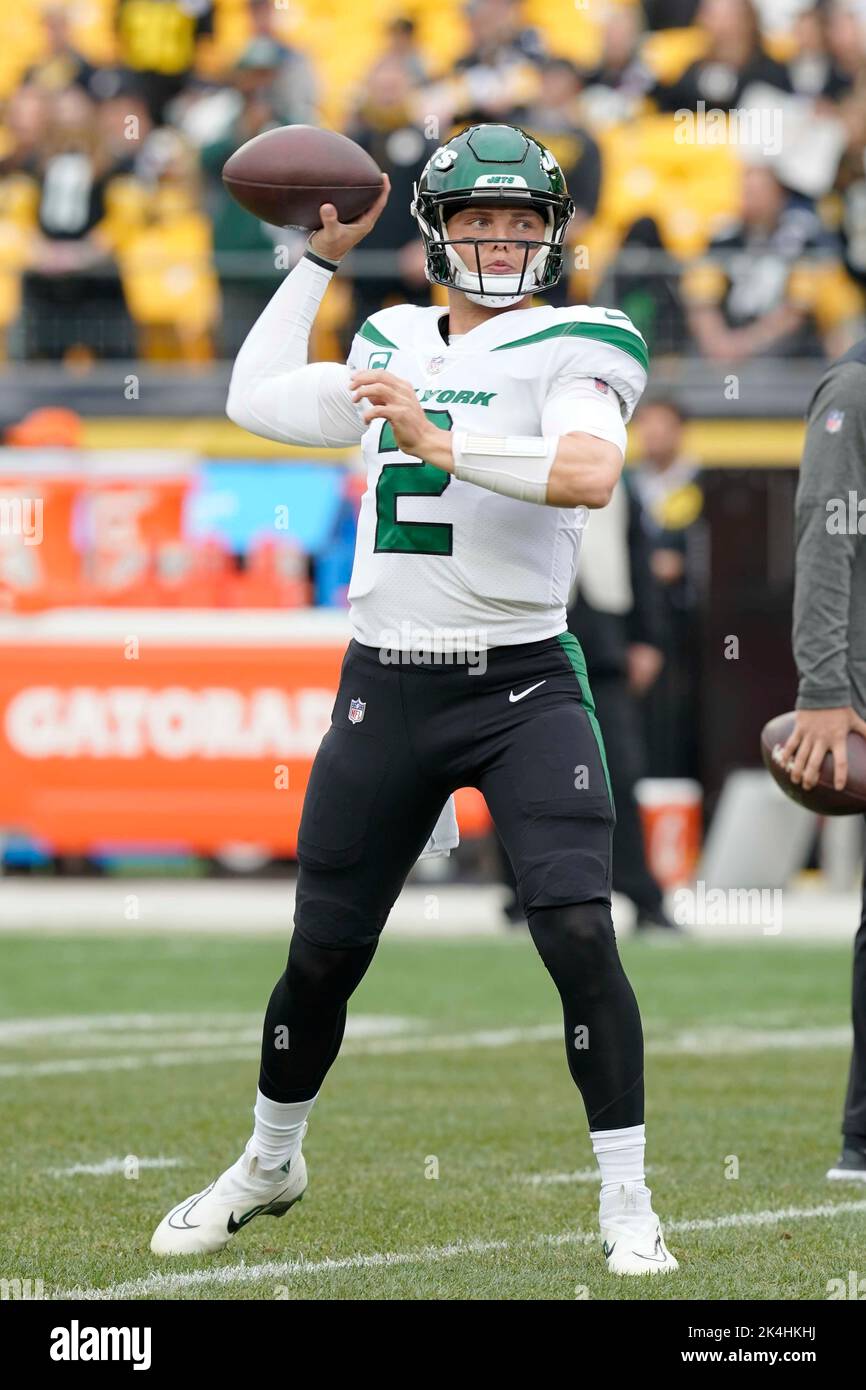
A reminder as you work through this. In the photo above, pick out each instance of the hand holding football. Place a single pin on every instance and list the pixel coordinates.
(784, 750)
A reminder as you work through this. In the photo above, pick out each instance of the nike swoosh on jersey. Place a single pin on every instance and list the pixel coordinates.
(512, 698)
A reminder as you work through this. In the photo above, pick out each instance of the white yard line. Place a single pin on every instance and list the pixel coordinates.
(75, 1066)
(218, 1049)
(581, 1175)
(169, 1282)
(111, 1166)
(25, 1029)
(14, 1030)
(729, 1041)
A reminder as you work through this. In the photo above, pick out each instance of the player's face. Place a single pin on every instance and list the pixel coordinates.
(500, 231)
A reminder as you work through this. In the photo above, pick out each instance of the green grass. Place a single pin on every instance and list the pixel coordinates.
(489, 1115)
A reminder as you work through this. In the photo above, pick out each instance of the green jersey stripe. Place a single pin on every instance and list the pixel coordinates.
(574, 652)
(604, 333)
(374, 336)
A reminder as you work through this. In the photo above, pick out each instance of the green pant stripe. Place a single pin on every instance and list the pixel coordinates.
(574, 652)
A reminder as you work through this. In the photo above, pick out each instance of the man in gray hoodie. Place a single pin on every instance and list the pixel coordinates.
(829, 640)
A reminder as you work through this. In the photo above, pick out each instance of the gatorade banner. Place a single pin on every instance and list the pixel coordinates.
(188, 730)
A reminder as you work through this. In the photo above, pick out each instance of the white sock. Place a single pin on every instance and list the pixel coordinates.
(278, 1131)
(620, 1155)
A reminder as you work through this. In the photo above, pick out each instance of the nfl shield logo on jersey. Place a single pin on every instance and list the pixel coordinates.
(435, 364)
(834, 420)
(356, 711)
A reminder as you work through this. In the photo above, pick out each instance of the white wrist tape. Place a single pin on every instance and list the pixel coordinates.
(514, 465)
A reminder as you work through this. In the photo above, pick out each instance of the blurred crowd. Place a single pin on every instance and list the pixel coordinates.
(715, 149)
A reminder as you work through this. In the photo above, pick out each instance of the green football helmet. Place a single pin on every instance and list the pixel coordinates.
(492, 165)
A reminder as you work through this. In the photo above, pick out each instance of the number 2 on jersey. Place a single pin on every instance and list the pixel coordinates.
(417, 479)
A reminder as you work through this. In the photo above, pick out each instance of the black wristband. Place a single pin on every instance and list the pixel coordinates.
(319, 260)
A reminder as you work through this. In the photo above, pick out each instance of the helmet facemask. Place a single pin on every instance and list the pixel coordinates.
(542, 260)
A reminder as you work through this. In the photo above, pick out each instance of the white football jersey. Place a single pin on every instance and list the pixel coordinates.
(446, 564)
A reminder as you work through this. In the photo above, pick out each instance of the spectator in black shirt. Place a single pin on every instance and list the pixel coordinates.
(504, 53)
(846, 42)
(813, 70)
(499, 34)
(72, 296)
(770, 282)
(734, 59)
(62, 65)
(669, 14)
(616, 89)
(555, 120)
(383, 126)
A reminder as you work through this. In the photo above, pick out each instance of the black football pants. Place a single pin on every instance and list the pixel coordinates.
(521, 727)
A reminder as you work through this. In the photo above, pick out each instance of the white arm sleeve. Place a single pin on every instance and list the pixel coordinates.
(578, 403)
(274, 391)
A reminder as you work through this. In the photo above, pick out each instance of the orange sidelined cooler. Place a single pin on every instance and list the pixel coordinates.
(120, 524)
(671, 814)
(77, 528)
(39, 563)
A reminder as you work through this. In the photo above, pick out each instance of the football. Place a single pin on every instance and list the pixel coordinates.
(823, 798)
(283, 176)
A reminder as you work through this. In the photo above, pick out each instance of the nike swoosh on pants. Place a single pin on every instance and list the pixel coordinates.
(512, 698)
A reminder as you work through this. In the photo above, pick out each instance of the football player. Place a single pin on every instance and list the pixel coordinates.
(490, 429)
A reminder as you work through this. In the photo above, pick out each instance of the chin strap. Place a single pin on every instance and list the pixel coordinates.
(497, 301)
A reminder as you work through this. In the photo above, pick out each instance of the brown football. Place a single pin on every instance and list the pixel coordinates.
(283, 176)
(823, 799)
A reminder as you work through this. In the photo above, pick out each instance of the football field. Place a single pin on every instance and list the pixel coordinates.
(448, 1152)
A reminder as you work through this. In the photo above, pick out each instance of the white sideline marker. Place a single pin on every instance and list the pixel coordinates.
(431, 1254)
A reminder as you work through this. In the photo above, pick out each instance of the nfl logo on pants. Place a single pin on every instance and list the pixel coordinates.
(356, 711)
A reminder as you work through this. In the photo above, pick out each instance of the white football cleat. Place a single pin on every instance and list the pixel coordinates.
(632, 1236)
(206, 1221)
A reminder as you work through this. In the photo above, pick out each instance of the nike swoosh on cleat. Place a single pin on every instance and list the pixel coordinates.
(608, 1249)
(233, 1225)
(512, 698)
(652, 1258)
(184, 1212)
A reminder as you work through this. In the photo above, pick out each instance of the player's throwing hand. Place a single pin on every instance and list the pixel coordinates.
(393, 399)
(335, 239)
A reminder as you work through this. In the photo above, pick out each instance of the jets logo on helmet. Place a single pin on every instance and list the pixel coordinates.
(491, 165)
